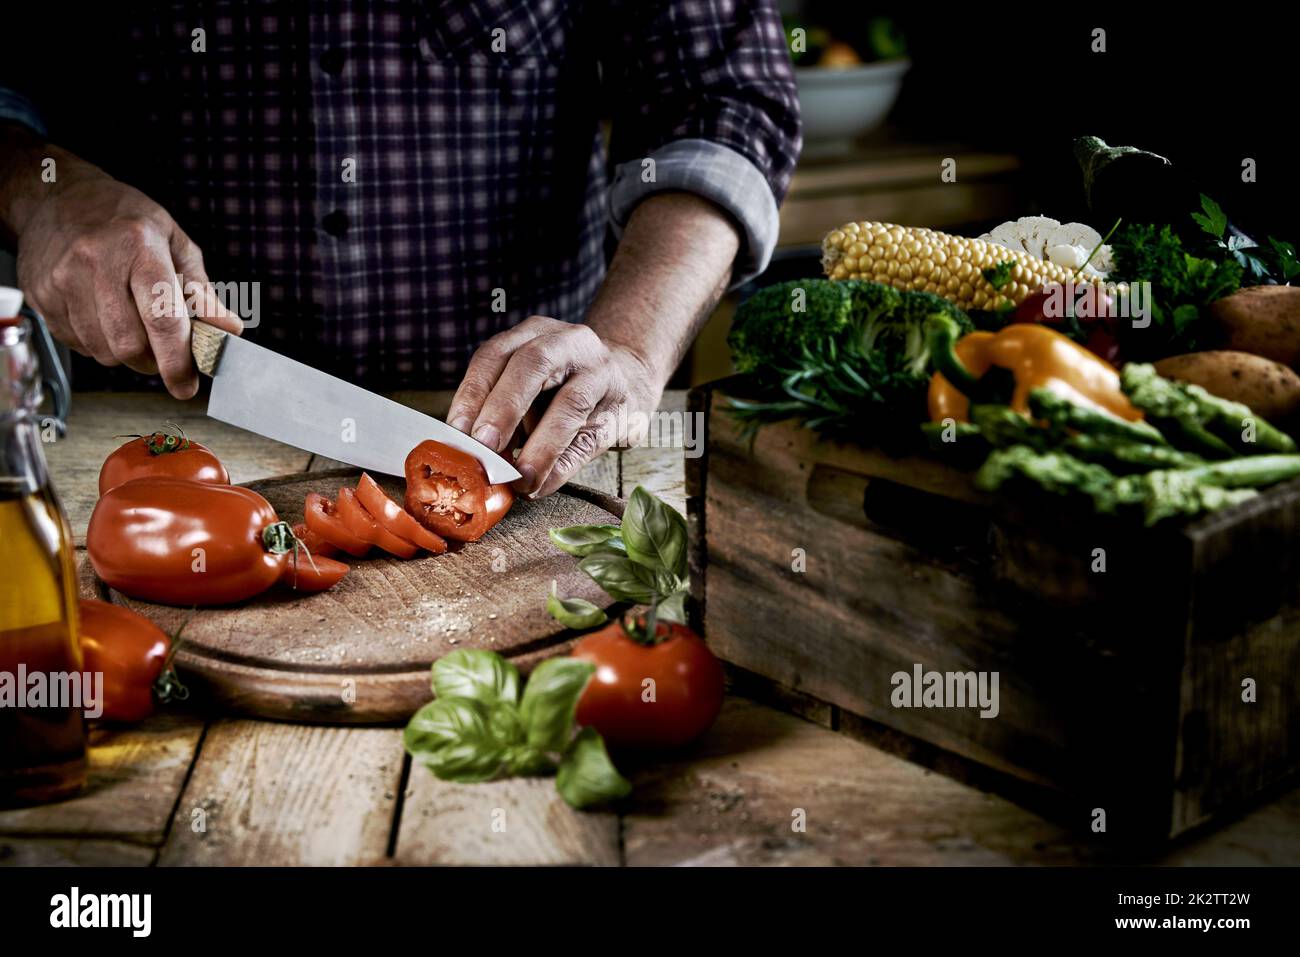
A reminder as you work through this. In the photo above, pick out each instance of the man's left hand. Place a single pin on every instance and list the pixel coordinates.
(601, 388)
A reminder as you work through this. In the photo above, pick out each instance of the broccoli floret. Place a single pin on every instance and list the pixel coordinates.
(771, 327)
(900, 329)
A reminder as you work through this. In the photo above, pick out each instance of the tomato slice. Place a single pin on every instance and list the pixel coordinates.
(363, 525)
(313, 542)
(448, 492)
(395, 518)
(323, 518)
(312, 574)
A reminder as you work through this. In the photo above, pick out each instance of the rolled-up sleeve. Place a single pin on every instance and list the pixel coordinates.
(16, 108)
(705, 89)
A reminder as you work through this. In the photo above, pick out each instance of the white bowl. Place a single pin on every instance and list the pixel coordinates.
(841, 105)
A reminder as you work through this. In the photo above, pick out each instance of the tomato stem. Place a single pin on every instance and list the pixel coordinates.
(168, 686)
(160, 442)
(278, 538)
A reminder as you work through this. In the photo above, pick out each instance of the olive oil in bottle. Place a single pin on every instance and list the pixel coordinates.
(42, 734)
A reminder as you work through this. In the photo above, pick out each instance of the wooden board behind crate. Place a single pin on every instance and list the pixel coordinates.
(376, 633)
(1119, 689)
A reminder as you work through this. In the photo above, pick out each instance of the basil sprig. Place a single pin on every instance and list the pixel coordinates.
(480, 728)
(643, 560)
(574, 612)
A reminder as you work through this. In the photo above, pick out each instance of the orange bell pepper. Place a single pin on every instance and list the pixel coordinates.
(1035, 356)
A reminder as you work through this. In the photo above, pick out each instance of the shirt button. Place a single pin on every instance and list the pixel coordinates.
(335, 223)
(332, 60)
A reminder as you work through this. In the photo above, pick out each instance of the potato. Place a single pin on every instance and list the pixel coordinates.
(1261, 320)
(1270, 389)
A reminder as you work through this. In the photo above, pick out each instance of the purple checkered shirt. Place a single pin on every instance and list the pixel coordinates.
(404, 179)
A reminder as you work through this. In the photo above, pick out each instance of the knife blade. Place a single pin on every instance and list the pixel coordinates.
(277, 397)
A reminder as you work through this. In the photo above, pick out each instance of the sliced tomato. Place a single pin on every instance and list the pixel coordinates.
(448, 492)
(363, 525)
(313, 542)
(395, 518)
(323, 518)
(312, 574)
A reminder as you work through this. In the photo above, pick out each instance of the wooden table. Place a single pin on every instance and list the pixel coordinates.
(205, 789)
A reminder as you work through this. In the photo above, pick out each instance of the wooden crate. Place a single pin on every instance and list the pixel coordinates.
(1120, 689)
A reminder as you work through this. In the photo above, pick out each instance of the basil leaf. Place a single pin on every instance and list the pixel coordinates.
(612, 546)
(621, 577)
(451, 737)
(550, 699)
(654, 533)
(581, 540)
(475, 674)
(673, 608)
(505, 725)
(586, 775)
(574, 612)
(528, 761)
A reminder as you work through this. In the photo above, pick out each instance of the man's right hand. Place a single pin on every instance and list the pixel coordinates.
(104, 265)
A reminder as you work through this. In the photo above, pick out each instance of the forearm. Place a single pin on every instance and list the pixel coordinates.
(671, 267)
(25, 176)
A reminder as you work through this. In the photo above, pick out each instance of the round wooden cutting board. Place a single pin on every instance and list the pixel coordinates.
(360, 652)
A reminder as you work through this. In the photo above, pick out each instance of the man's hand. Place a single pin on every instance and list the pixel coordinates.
(103, 264)
(600, 387)
(672, 265)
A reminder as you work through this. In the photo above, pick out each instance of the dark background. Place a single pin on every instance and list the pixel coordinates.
(1205, 85)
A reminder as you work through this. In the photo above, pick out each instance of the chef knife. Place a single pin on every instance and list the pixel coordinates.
(267, 393)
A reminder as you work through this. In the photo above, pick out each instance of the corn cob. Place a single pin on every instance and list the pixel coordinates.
(910, 257)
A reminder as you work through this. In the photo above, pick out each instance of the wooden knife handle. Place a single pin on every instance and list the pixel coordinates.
(206, 342)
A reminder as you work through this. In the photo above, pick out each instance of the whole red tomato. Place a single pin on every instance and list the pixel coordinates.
(629, 711)
(180, 542)
(161, 454)
(448, 492)
(129, 650)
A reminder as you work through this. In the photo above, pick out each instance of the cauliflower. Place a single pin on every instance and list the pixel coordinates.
(1066, 244)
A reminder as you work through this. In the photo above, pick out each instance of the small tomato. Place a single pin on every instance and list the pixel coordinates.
(619, 703)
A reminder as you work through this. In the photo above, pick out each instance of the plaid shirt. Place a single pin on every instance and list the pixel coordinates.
(406, 178)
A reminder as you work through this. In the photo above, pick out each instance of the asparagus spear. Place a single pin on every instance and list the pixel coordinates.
(1160, 494)
(1207, 424)
(1002, 426)
(1064, 413)
(1120, 455)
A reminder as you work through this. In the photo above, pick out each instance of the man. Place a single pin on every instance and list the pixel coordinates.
(419, 190)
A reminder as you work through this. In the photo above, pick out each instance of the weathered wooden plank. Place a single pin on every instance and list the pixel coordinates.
(88, 586)
(134, 776)
(1268, 836)
(99, 419)
(658, 464)
(601, 473)
(73, 852)
(283, 794)
(742, 794)
(520, 821)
